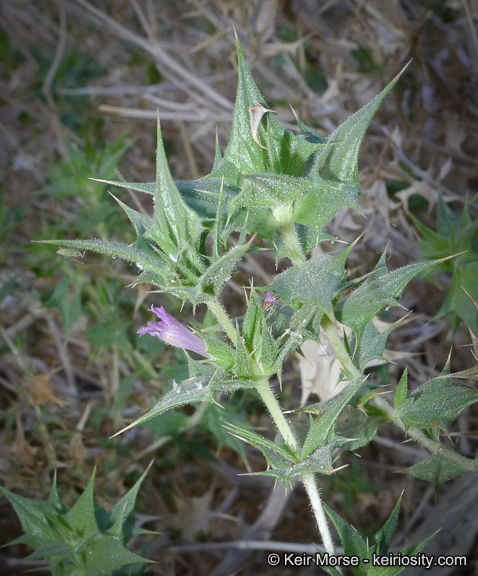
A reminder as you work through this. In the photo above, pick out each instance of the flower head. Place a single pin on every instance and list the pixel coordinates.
(269, 301)
(174, 333)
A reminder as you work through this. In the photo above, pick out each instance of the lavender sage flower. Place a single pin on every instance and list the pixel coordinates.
(174, 333)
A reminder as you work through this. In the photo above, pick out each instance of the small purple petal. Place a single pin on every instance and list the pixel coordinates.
(174, 333)
(270, 298)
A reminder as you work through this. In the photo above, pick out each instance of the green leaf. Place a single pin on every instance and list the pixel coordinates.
(144, 258)
(458, 303)
(105, 555)
(270, 190)
(323, 201)
(219, 271)
(381, 289)
(437, 469)
(32, 515)
(140, 221)
(371, 346)
(320, 462)
(401, 392)
(81, 516)
(176, 225)
(122, 514)
(205, 382)
(55, 548)
(276, 453)
(383, 537)
(358, 427)
(321, 430)
(337, 161)
(435, 404)
(146, 187)
(354, 544)
(242, 150)
(315, 281)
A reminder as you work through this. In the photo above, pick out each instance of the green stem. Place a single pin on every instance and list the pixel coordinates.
(315, 501)
(223, 319)
(434, 446)
(272, 404)
(339, 349)
(416, 434)
(291, 240)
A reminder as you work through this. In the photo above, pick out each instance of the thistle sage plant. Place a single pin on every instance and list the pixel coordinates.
(284, 188)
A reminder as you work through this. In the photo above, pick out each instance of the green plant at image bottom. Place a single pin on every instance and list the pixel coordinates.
(284, 188)
(455, 234)
(84, 540)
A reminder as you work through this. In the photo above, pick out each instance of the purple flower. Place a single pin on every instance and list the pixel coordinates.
(269, 301)
(174, 333)
(270, 298)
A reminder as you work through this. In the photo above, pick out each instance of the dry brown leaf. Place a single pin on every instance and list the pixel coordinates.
(38, 387)
(193, 515)
(77, 450)
(21, 450)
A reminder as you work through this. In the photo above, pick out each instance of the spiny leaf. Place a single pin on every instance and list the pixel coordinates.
(381, 289)
(339, 158)
(81, 517)
(434, 404)
(321, 430)
(436, 469)
(176, 224)
(201, 387)
(315, 281)
(144, 257)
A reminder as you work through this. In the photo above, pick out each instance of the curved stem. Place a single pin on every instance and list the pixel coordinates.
(307, 478)
(223, 319)
(434, 446)
(416, 434)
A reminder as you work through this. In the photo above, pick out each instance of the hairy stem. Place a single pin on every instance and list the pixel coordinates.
(315, 501)
(381, 403)
(291, 240)
(223, 319)
(338, 346)
(434, 446)
(307, 478)
(272, 404)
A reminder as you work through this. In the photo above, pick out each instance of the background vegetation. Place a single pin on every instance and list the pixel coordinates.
(80, 86)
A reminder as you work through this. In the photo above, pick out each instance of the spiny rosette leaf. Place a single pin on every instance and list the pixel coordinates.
(82, 540)
(379, 545)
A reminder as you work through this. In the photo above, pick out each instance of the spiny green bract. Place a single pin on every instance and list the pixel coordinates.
(82, 540)
(455, 234)
(271, 182)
